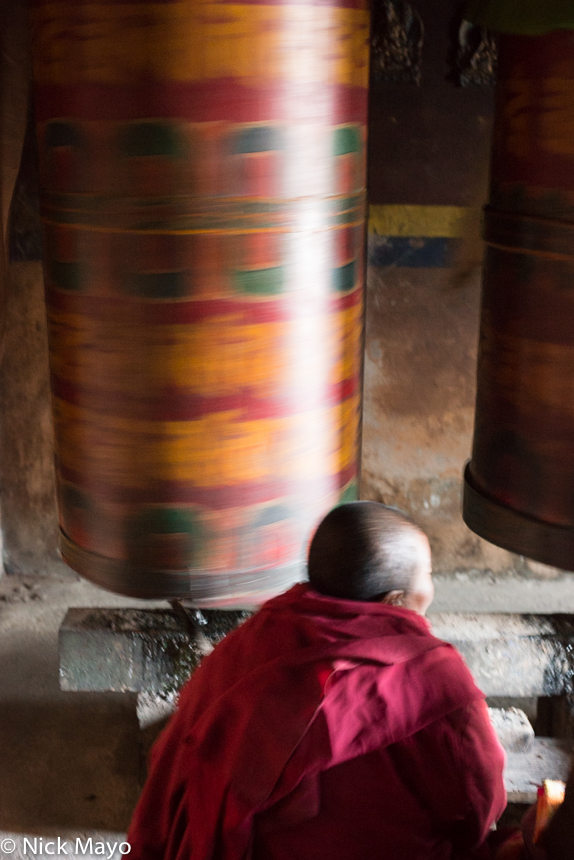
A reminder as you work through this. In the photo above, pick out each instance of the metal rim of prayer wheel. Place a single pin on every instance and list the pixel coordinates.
(519, 483)
(202, 174)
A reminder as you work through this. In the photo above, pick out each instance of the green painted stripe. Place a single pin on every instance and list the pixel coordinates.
(446, 222)
(260, 282)
(343, 277)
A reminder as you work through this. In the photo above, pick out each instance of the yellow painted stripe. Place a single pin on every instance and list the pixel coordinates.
(216, 450)
(218, 357)
(119, 43)
(427, 221)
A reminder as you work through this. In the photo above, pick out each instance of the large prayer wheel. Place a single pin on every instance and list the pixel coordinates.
(202, 187)
(519, 489)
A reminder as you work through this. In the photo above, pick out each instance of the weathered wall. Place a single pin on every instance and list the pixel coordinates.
(27, 499)
(419, 403)
(29, 521)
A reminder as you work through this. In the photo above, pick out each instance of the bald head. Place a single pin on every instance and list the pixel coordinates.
(365, 550)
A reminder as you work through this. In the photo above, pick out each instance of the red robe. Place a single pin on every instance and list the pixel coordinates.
(323, 728)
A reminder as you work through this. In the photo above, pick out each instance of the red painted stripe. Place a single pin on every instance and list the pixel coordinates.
(216, 498)
(347, 475)
(175, 405)
(204, 101)
(287, 308)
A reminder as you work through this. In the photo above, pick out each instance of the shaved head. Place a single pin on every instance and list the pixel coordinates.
(365, 550)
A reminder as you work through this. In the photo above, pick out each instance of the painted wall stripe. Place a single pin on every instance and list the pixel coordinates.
(414, 253)
(445, 222)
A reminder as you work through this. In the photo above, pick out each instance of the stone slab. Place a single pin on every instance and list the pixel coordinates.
(124, 650)
(513, 655)
(112, 648)
(547, 758)
(154, 651)
(133, 650)
(546, 591)
(513, 728)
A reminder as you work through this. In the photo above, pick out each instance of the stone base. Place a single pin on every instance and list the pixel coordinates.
(154, 651)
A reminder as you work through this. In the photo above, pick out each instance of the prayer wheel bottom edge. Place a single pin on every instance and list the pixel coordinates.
(243, 589)
(516, 532)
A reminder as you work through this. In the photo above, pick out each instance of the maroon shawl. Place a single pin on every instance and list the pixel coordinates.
(363, 675)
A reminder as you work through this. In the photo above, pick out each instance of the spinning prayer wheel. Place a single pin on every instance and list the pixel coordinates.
(519, 484)
(202, 171)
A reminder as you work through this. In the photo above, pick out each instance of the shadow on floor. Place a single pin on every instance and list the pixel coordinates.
(73, 762)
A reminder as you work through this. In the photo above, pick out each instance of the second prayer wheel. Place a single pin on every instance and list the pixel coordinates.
(202, 174)
(519, 487)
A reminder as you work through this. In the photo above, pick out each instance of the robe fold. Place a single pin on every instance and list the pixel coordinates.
(302, 734)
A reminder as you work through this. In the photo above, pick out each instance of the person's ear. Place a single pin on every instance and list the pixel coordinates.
(393, 598)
